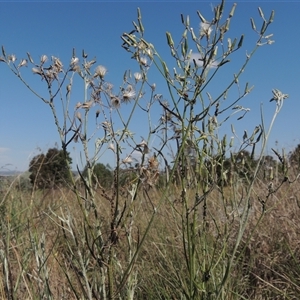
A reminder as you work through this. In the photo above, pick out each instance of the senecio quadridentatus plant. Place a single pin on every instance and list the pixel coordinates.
(188, 128)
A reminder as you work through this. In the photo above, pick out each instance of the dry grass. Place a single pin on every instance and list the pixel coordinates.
(267, 266)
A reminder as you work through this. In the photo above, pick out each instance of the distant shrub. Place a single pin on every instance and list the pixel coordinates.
(101, 174)
(24, 183)
(50, 170)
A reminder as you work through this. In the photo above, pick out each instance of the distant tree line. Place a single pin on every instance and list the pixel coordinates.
(52, 170)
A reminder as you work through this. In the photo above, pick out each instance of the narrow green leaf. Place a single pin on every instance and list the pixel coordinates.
(261, 13)
(232, 10)
(187, 21)
(229, 44)
(217, 13)
(232, 129)
(139, 13)
(183, 52)
(140, 21)
(263, 28)
(193, 35)
(3, 51)
(137, 28)
(227, 24)
(253, 24)
(30, 58)
(233, 43)
(246, 88)
(169, 39)
(166, 70)
(186, 46)
(201, 17)
(272, 16)
(182, 19)
(241, 41)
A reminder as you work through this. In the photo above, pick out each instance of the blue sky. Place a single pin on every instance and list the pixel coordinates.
(55, 28)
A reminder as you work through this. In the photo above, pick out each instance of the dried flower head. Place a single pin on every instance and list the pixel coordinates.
(88, 64)
(100, 71)
(127, 160)
(115, 101)
(128, 94)
(205, 29)
(108, 86)
(22, 63)
(145, 147)
(50, 75)
(36, 71)
(165, 104)
(106, 125)
(78, 116)
(44, 58)
(149, 52)
(111, 147)
(78, 105)
(153, 162)
(143, 61)
(278, 96)
(69, 87)
(138, 76)
(76, 68)
(88, 104)
(12, 58)
(74, 61)
(57, 63)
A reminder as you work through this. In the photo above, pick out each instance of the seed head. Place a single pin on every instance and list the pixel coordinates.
(76, 68)
(78, 105)
(88, 104)
(143, 61)
(111, 147)
(153, 162)
(74, 61)
(108, 86)
(36, 71)
(278, 96)
(128, 94)
(137, 76)
(100, 71)
(88, 64)
(69, 87)
(127, 160)
(205, 29)
(115, 101)
(145, 146)
(57, 63)
(12, 58)
(22, 63)
(78, 116)
(44, 58)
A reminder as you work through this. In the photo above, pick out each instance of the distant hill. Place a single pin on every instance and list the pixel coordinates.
(9, 173)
